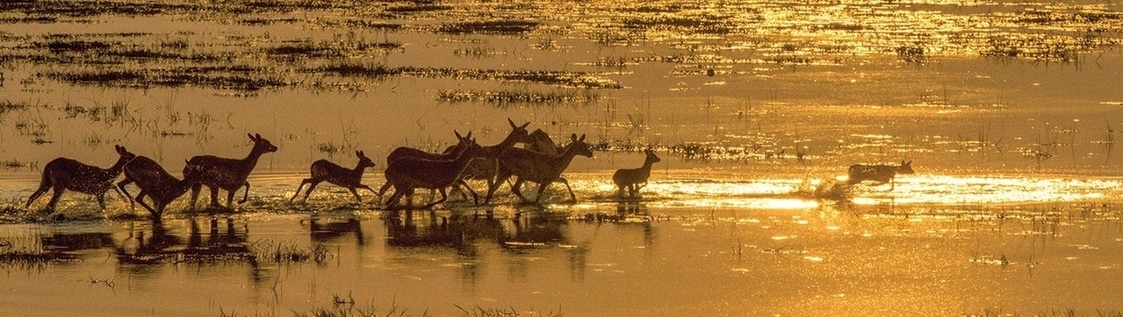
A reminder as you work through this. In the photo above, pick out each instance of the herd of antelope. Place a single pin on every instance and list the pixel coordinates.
(540, 161)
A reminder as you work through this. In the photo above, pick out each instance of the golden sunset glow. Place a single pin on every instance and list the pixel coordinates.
(560, 158)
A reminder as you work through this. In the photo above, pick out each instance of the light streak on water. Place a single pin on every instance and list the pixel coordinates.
(781, 193)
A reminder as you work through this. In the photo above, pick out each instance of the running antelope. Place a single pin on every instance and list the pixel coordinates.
(324, 170)
(487, 167)
(544, 169)
(63, 174)
(409, 173)
(155, 183)
(633, 179)
(879, 173)
(450, 153)
(225, 173)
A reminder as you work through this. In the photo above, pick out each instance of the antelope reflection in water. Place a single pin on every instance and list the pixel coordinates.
(332, 230)
(152, 243)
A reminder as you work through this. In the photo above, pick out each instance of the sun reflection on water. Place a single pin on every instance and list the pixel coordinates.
(781, 193)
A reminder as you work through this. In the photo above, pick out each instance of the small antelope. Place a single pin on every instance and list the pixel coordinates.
(879, 173)
(544, 169)
(155, 183)
(450, 153)
(62, 174)
(487, 167)
(633, 179)
(409, 173)
(225, 173)
(324, 170)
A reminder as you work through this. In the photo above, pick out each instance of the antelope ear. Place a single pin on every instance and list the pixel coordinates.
(909, 162)
(582, 139)
(524, 125)
(257, 136)
(512, 123)
(457, 133)
(251, 137)
(573, 137)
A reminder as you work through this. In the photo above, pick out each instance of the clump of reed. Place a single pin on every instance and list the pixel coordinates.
(519, 97)
(488, 27)
(275, 252)
(11, 254)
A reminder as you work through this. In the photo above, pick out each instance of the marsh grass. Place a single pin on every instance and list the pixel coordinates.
(510, 98)
(26, 252)
(510, 27)
(276, 252)
(341, 47)
(244, 78)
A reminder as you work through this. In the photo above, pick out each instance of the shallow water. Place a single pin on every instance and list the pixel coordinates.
(754, 249)
(1008, 111)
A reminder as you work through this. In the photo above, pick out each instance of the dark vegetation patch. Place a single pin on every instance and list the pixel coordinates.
(328, 49)
(361, 24)
(83, 8)
(32, 258)
(415, 8)
(559, 78)
(8, 106)
(519, 97)
(246, 78)
(1044, 47)
(77, 8)
(17, 165)
(266, 21)
(488, 27)
(93, 49)
(1086, 20)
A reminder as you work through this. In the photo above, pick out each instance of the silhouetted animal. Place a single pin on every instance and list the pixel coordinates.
(544, 169)
(633, 179)
(878, 173)
(450, 153)
(324, 170)
(225, 173)
(487, 167)
(155, 183)
(409, 173)
(63, 174)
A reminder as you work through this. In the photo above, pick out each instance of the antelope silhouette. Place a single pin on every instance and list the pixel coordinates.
(487, 167)
(879, 173)
(449, 153)
(155, 183)
(324, 170)
(635, 178)
(409, 173)
(225, 173)
(63, 174)
(544, 169)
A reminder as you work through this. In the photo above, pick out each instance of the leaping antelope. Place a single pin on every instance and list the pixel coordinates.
(324, 170)
(154, 182)
(63, 174)
(879, 173)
